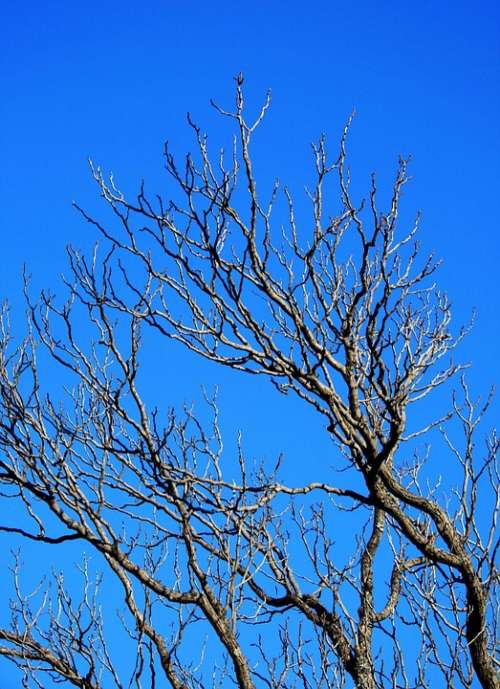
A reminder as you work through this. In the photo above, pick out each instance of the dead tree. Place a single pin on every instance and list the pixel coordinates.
(340, 310)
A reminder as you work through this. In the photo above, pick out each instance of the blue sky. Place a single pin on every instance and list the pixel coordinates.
(114, 80)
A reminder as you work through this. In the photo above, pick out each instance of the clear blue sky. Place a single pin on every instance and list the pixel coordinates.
(114, 80)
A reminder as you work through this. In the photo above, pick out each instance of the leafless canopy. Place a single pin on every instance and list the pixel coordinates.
(230, 575)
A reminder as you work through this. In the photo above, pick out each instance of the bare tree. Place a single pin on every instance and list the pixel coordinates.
(230, 575)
